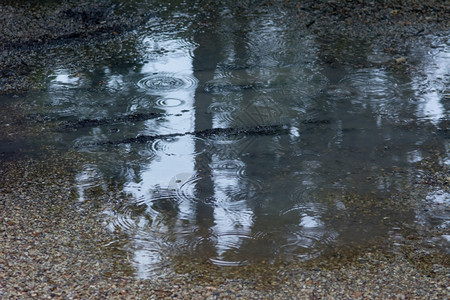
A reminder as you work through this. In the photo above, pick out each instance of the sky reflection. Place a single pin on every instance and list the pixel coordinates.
(355, 135)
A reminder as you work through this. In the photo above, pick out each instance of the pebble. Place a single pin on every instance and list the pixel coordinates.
(29, 31)
(49, 250)
(50, 247)
(400, 60)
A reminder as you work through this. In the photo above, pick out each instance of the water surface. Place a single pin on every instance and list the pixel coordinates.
(353, 130)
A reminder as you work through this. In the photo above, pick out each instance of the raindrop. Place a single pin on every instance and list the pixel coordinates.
(166, 82)
(169, 102)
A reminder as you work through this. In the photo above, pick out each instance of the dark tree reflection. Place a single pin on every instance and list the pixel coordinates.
(357, 129)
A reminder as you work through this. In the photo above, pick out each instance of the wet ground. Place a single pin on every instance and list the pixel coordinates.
(253, 140)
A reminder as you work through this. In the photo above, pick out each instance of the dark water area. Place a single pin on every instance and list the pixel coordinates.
(325, 139)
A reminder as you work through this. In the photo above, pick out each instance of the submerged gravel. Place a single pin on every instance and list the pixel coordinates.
(54, 247)
(33, 33)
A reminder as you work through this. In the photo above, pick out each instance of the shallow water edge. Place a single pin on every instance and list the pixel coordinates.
(262, 150)
(37, 213)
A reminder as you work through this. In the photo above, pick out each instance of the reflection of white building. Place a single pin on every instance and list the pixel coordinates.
(164, 77)
(171, 173)
(254, 73)
(436, 72)
(173, 156)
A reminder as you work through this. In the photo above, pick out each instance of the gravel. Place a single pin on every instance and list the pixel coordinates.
(54, 247)
(34, 33)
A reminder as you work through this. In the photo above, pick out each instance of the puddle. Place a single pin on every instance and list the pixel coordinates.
(354, 127)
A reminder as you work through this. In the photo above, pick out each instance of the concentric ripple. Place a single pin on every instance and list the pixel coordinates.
(229, 248)
(188, 189)
(226, 147)
(222, 112)
(232, 182)
(371, 84)
(221, 107)
(229, 167)
(158, 83)
(186, 145)
(149, 244)
(169, 102)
